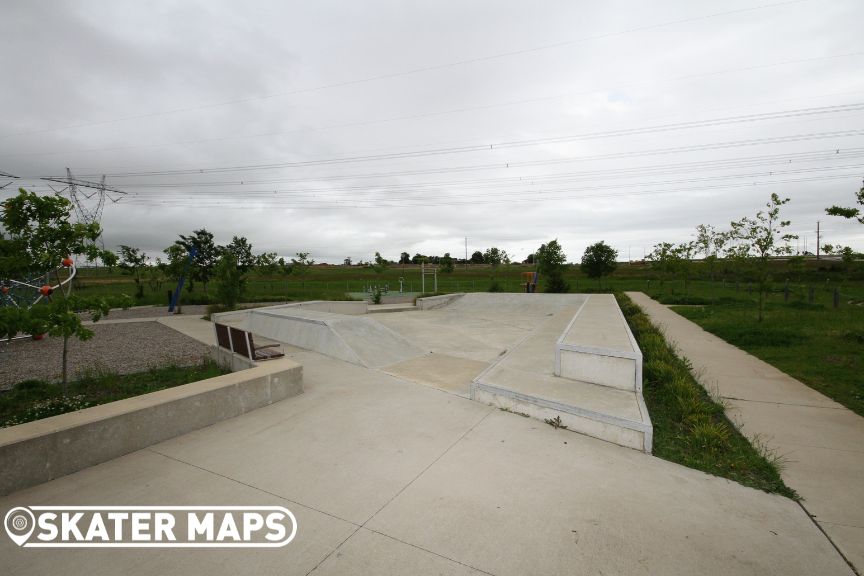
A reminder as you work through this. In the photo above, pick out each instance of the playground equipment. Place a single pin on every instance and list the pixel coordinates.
(28, 292)
(529, 282)
(432, 271)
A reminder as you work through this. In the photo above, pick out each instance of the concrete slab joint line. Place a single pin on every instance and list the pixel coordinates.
(820, 439)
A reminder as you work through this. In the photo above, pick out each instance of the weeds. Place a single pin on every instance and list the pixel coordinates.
(555, 423)
(689, 427)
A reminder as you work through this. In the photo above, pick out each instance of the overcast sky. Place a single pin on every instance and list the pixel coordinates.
(344, 128)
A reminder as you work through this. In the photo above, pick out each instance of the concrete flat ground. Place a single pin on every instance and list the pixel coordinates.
(821, 441)
(390, 476)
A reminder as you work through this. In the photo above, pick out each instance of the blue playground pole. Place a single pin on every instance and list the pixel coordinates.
(175, 300)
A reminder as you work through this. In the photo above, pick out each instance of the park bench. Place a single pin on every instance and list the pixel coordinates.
(241, 342)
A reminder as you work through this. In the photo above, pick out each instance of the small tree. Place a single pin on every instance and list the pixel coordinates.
(241, 249)
(300, 266)
(230, 282)
(40, 227)
(476, 257)
(494, 257)
(683, 260)
(347, 261)
(446, 264)
(404, 258)
(760, 238)
(551, 262)
(133, 261)
(206, 255)
(380, 264)
(599, 260)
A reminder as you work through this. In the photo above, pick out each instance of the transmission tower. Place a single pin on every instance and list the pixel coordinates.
(88, 197)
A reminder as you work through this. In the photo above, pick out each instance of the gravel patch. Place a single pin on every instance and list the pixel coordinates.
(120, 348)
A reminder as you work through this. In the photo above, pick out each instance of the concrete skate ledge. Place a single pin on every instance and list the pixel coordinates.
(433, 302)
(39, 451)
(621, 431)
(615, 366)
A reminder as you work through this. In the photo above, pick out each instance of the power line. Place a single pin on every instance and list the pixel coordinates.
(504, 145)
(419, 70)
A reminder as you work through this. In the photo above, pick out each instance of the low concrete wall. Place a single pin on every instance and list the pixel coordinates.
(40, 451)
(433, 302)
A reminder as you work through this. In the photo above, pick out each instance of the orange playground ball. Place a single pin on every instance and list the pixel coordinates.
(67, 262)
(46, 290)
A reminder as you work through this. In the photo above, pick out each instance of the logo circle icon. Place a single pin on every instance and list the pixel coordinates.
(19, 523)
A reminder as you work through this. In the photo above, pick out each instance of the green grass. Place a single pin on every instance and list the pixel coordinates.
(821, 346)
(690, 428)
(36, 399)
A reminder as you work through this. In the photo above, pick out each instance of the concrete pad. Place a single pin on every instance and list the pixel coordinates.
(367, 552)
(448, 373)
(192, 326)
(148, 479)
(821, 440)
(345, 447)
(518, 500)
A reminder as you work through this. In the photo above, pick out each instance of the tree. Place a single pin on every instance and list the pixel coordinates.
(850, 212)
(494, 257)
(599, 260)
(404, 258)
(300, 265)
(529, 259)
(476, 257)
(763, 237)
(683, 261)
(266, 264)
(230, 283)
(240, 248)
(418, 258)
(347, 261)
(133, 261)
(446, 264)
(380, 264)
(551, 261)
(206, 256)
(710, 243)
(664, 259)
(39, 226)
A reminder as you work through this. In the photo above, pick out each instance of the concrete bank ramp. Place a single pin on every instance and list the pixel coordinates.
(356, 339)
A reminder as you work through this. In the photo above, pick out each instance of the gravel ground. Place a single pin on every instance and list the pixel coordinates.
(122, 348)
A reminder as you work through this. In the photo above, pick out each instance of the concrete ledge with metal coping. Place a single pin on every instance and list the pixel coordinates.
(39, 451)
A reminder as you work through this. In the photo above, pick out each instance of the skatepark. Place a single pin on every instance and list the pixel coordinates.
(414, 439)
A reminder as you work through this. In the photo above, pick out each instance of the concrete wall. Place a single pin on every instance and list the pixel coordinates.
(40, 451)
(596, 368)
(433, 302)
(347, 307)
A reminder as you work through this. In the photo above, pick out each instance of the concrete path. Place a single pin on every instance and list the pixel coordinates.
(192, 326)
(821, 441)
(390, 477)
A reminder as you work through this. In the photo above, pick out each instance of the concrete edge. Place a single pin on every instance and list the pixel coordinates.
(607, 419)
(432, 302)
(40, 451)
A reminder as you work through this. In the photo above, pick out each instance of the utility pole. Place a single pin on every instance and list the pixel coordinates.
(818, 240)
